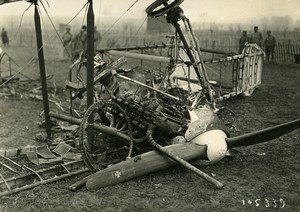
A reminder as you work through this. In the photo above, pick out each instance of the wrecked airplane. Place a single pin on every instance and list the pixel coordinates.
(133, 127)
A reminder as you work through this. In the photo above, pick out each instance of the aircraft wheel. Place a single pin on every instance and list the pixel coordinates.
(104, 149)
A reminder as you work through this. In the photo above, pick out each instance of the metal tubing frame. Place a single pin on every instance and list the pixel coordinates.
(147, 86)
(154, 58)
(160, 46)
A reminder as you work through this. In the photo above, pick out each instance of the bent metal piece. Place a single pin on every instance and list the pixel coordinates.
(115, 65)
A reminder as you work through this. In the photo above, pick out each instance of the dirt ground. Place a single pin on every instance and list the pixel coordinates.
(266, 177)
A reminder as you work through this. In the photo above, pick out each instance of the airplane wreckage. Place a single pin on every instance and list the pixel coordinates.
(169, 117)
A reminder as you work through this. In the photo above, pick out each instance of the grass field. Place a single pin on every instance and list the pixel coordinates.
(265, 177)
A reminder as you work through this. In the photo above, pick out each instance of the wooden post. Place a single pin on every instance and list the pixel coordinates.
(90, 54)
(276, 52)
(288, 51)
(9, 65)
(39, 42)
(293, 52)
(142, 52)
(90, 68)
(285, 52)
(280, 52)
(285, 49)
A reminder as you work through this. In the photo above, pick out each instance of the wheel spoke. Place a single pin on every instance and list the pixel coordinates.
(105, 149)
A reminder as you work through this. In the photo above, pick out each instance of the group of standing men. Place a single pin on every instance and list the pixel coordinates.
(256, 37)
(74, 45)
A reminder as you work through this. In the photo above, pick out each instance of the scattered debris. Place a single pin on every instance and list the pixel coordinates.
(261, 154)
(233, 153)
(8, 167)
(45, 152)
(33, 157)
(40, 177)
(62, 149)
(69, 163)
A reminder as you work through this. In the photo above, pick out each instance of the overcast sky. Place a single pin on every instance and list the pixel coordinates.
(196, 10)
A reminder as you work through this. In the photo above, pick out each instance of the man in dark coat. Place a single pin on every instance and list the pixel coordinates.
(243, 40)
(4, 36)
(270, 43)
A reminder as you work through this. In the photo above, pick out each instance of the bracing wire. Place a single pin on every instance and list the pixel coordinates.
(47, 3)
(84, 6)
(84, 16)
(136, 33)
(56, 31)
(120, 17)
(35, 55)
(98, 20)
(140, 27)
(27, 64)
(14, 70)
(20, 24)
(43, 22)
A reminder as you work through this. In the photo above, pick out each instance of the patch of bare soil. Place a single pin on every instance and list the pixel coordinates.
(264, 177)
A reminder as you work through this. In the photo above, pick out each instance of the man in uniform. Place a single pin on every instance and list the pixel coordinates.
(243, 40)
(270, 43)
(256, 37)
(66, 38)
(79, 42)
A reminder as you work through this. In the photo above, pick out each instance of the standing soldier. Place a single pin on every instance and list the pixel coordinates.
(270, 43)
(4, 36)
(243, 41)
(66, 38)
(79, 42)
(256, 37)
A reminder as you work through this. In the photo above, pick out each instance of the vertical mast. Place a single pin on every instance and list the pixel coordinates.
(39, 42)
(90, 66)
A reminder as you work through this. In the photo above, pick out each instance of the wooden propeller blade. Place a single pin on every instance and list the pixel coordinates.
(263, 135)
(144, 164)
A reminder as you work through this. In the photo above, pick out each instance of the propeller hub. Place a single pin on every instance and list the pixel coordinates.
(216, 144)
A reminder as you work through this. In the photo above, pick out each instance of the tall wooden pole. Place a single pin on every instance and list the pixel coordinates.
(39, 42)
(90, 66)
